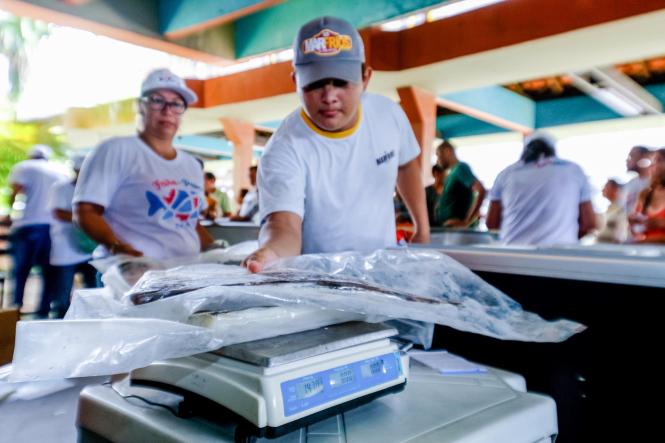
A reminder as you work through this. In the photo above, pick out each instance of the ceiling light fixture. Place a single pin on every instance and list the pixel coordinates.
(457, 7)
(449, 9)
(617, 91)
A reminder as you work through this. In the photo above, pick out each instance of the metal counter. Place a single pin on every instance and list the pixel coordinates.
(641, 265)
(455, 236)
(233, 232)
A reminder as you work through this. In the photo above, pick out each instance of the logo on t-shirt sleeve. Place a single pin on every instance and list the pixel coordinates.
(179, 202)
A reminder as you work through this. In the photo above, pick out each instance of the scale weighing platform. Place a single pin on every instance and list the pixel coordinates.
(326, 385)
(283, 383)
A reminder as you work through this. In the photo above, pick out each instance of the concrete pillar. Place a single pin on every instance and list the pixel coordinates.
(242, 135)
(420, 108)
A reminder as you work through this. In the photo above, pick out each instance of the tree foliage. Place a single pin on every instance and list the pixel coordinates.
(16, 139)
(18, 37)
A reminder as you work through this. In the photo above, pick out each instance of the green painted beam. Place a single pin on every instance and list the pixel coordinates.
(274, 28)
(460, 125)
(570, 110)
(495, 105)
(176, 15)
(141, 16)
(549, 113)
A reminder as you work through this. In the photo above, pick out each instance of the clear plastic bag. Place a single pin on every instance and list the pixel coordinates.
(121, 272)
(105, 332)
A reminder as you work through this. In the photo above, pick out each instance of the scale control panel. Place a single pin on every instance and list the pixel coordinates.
(350, 380)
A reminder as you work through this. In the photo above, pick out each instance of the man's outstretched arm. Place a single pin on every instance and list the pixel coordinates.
(280, 236)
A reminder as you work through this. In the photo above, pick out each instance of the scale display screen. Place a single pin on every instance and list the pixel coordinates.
(308, 388)
(312, 390)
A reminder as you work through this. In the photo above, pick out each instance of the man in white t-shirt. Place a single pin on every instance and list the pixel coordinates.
(71, 250)
(541, 199)
(638, 161)
(249, 209)
(328, 174)
(138, 195)
(30, 238)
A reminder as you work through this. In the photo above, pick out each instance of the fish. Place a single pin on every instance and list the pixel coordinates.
(150, 289)
(178, 204)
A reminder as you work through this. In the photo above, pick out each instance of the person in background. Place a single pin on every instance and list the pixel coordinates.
(403, 222)
(648, 220)
(71, 249)
(434, 191)
(250, 203)
(541, 199)
(638, 161)
(615, 222)
(328, 174)
(210, 212)
(138, 195)
(240, 197)
(459, 203)
(30, 237)
(220, 199)
(402, 214)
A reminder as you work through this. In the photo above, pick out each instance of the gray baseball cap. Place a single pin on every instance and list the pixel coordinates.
(328, 47)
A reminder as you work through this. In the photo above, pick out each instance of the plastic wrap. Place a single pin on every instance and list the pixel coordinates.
(35, 389)
(105, 332)
(263, 322)
(121, 272)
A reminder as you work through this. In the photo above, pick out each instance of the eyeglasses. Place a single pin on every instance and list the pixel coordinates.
(157, 103)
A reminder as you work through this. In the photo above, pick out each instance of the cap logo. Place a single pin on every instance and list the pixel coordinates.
(327, 43)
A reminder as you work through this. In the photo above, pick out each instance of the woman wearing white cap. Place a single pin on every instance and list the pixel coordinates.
(138, 195)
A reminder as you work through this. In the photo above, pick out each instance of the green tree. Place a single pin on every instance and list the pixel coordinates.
(18, 37)
(16, 139)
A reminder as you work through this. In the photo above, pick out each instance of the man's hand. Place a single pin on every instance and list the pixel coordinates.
(259, 259)
(280, 236)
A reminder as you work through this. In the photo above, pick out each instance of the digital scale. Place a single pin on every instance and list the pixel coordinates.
(488, 407)
(283, 383)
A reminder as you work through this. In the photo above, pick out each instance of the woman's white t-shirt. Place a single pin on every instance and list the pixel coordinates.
(149, 202)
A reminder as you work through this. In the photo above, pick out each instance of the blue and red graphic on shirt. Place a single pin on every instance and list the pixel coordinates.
(174, 202)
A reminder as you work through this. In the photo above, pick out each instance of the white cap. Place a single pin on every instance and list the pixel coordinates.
(165, 79)
(40, 151)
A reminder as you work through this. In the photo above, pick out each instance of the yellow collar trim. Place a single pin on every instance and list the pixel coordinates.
(341, 134)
